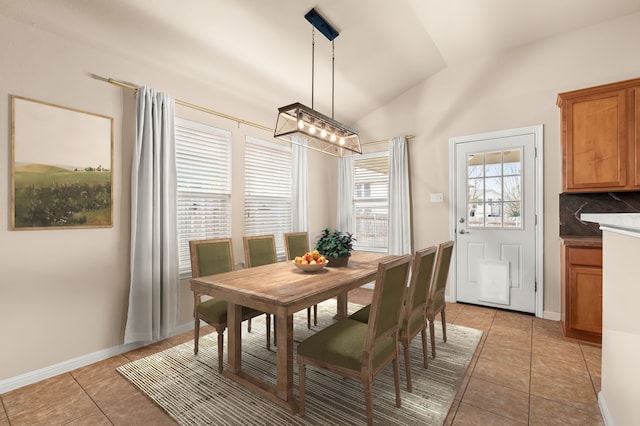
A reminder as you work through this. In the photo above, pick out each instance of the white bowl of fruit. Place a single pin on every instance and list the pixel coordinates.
(310, 261)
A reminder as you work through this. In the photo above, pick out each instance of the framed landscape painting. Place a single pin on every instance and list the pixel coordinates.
(61, 167)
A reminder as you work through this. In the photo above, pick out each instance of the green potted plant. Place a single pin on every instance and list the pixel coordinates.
(336, 246)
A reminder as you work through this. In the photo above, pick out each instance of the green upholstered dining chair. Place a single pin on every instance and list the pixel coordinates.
(360, 350)
(435, 302)
(209, 257)
(413, 319)
(297, 244)
(260, 250)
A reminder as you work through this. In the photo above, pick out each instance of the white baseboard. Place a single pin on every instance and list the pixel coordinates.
(553, 316)
(606, 415)
(72, 364)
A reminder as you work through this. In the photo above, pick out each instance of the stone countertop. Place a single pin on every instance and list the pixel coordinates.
(624, 222)
(580, 241)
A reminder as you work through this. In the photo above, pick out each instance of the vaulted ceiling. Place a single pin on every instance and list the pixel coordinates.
(262, 48)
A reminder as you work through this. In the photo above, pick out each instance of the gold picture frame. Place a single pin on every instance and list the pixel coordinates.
(61, 167)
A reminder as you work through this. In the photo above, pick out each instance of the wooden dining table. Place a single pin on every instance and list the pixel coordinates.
(281, 289)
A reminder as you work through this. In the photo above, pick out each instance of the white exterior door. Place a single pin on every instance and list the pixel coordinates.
(496, 206)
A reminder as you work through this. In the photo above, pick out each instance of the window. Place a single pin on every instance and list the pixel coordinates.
(494, 193)
(371, 201)
(203, 163)
(267, 190)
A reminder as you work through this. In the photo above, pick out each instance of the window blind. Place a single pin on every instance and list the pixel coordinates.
(203, 164)
(267, 198)
(371, 201)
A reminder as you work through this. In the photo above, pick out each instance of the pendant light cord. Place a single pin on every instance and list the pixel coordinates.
(333, 68)
(313, 58)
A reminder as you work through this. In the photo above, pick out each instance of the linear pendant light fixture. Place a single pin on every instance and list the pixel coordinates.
(305, 126)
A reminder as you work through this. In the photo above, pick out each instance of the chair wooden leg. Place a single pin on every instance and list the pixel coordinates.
(432, 331)
(249, 325)
(407, 365)
(444, 325)
(196, 322)
(196, 335)
(268, 331)
(423, 335)
(301, 384)
(220, 350)
(275, 331)
(368, 397)
(396, 379)
(309, 317)
(315, 315)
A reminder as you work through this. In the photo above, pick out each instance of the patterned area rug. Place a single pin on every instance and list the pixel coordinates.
(191, 391)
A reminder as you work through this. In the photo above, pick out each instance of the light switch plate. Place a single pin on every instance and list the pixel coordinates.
(437, 198)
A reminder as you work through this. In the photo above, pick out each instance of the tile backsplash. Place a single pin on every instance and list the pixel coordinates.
(573, 205)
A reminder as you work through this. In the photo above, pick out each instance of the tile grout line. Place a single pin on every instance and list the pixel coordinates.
(586, 364)
(4, 407)
(89, 396)
(479, 349)
(455, 413)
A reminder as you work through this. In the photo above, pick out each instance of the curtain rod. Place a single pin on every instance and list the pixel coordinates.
(409, 137)
(192, 106)
(213, 112)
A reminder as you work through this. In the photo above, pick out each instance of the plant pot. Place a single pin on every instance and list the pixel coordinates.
(339, 262)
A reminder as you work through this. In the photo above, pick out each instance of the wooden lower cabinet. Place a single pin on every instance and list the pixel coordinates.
(582, 289)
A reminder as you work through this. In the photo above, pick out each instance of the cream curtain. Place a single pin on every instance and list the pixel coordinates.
(346, 215)
(153, 295)
(399, 197)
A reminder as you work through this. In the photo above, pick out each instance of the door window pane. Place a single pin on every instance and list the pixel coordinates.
(493, 189)
(474, 218)
(493, 163)
(512, 187)
(475, 190)
(475, 165)
(512, 162)
(511, 216)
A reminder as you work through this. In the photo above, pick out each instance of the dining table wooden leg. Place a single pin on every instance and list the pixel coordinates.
(234, 339)
(342, 309)
(284, 360)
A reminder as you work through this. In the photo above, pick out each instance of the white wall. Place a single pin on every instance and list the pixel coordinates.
(64, 293)
(515, 90)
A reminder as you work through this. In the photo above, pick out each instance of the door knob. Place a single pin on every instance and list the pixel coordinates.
(462, 231)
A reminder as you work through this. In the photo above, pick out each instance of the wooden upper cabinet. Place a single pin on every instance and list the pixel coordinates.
(596, 141)
(600, 129)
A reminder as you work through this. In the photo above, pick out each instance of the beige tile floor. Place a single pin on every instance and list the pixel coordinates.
(523, 372)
